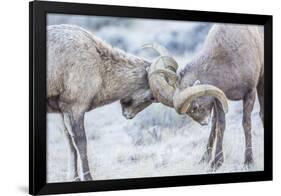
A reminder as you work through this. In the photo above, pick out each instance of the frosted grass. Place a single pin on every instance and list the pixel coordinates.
(157, 142)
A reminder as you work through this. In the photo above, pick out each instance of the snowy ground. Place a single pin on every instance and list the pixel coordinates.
(158, 142)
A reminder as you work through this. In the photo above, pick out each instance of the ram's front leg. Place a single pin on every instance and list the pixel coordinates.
(207, 156)
(73, 172)
(79, 139)
(220, 127)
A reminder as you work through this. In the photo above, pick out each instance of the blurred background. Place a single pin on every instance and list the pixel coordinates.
(158, 141)
(130, 34)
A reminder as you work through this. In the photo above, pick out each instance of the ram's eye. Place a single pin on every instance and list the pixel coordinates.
(194, 108)
(127, 102)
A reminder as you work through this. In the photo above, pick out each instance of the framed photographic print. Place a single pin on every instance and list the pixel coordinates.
(130, 97)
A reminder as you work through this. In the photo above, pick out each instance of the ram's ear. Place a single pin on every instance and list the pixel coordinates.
(154, 100)
(197, 82)
(147, 69)
(177, 84)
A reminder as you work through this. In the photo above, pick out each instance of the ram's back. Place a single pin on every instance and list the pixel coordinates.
(72, 62)
(234, 58)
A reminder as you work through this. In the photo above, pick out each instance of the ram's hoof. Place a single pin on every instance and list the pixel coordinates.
(77, 179)
(88, 177)
(249, 162)
(217, 162)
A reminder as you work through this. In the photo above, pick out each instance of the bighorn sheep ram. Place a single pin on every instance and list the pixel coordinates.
(84, 73)
(232, 60)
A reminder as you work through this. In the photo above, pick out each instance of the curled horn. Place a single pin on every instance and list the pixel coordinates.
(162, 75)
(183, 99)
(163, 80)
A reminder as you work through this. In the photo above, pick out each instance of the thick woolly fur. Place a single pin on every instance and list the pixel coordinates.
(85, 71)
(231, 59)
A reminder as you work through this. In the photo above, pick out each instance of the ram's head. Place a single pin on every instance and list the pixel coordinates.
(164, 84)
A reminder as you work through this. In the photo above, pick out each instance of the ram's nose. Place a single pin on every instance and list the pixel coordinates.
(205, 121)
(128, 115)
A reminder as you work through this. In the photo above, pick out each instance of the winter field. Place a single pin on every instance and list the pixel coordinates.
(158, 141)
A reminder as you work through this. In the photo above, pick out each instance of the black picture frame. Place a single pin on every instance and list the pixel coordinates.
(37, 97)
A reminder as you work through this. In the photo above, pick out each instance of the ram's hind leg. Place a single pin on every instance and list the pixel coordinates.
(220, 127)
(260, 89)
(73, 156)
(207, 156)
(248, 105)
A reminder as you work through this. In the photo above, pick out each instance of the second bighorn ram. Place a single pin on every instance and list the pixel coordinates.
(232, 60)
(84, 73)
